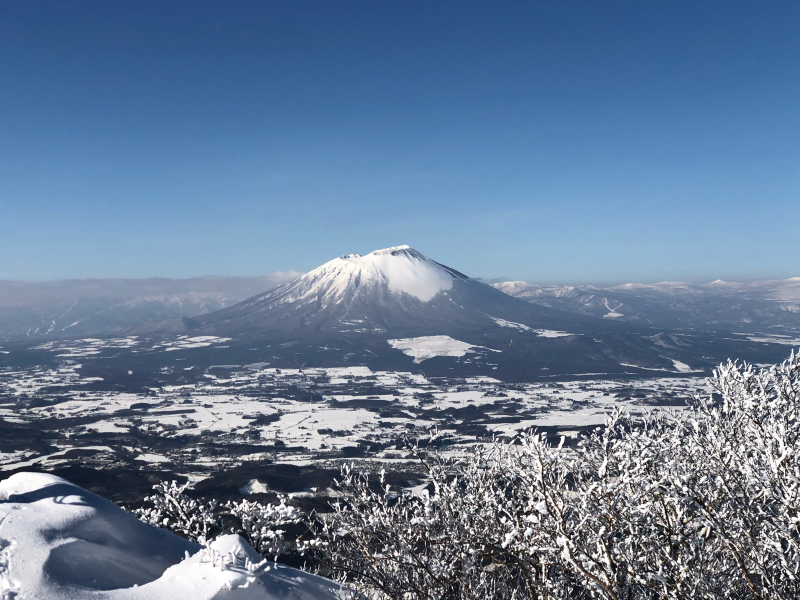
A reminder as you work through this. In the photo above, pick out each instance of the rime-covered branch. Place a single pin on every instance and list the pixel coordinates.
(704, 505)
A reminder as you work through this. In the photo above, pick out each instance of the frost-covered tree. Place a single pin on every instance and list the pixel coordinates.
(174, 510)
(746, 452)
(702, 505)
(260, 524)
(425, 545)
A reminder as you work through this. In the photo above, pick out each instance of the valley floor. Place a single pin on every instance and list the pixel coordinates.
(190, 421)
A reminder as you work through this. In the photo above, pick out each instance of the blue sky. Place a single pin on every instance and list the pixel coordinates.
(562, 142)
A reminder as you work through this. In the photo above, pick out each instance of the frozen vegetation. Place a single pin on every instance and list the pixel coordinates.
(698, 506)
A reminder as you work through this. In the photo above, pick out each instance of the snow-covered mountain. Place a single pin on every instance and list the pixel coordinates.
(396, 308)
(395, 290)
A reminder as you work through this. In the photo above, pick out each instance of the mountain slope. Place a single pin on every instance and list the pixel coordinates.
(396, 306)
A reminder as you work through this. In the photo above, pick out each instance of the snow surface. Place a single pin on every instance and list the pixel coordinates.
(423, 348)
(511, 324)
(613, 313)
(254, 486)
(548, 333)
(222, 408)
(60, 542)
(681, 367)
(183, 342)
(774, 339)
(402, 269)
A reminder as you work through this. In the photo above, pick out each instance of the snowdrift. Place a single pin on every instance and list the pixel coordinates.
(60, 542)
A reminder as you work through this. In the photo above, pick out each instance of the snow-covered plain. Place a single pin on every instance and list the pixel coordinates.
(60, 542)
(789, 340)
(297, 415)
(184, 419)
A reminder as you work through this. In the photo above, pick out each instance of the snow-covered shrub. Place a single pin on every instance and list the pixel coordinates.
(260, 524)
(747, 482)
(448, 543)
(176, 511)
(703, 505)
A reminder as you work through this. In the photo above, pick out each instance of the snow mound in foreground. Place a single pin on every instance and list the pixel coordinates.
(60, 542)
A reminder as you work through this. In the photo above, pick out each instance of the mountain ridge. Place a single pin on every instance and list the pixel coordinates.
(717, 305)
(397, 309)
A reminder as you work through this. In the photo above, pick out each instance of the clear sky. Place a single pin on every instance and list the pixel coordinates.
(547, 141)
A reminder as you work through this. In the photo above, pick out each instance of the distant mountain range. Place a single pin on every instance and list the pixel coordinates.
(757, 306)
(97, 307)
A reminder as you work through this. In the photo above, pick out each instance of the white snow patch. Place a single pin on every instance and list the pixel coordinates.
(612, 312)
(423, 348)
(681, 367)
(254, 486)
(511, 324)
(183, 342)
(549, 333)
(152, 458)
(774, 339)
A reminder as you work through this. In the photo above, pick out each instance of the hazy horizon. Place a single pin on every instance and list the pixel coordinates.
(292, 273)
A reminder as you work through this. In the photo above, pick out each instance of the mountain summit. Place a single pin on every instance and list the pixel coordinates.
(400, 269)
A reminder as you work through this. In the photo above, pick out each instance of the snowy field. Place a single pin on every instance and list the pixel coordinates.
(196, 418)
(423, 348)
